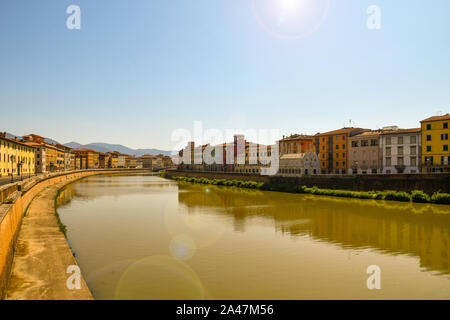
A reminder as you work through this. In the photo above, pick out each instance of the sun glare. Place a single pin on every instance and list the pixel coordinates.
(290, 6)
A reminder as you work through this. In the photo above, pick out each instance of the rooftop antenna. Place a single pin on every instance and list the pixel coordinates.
(439, 113)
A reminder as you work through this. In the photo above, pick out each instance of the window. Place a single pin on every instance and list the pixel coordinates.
(388, 151)
(413, 161)
(373, 143)
(337, 164)
(400, 140)
(400, 150)
(428, 126)
(337, 146)
(428, 148)
(388, 140)
(413, 139)
(400, 161)
(428, 137)
(343, 163)
(429, 160)
(343, 146)
(446, 147)
(444, 136)
(354, 143)
(445, 125)
(337, 138)
(388, 162)
(337, 155)
(413, 150)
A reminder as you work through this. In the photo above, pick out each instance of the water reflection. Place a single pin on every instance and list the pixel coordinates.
(145, 237)
(422, 230)
(113, 186)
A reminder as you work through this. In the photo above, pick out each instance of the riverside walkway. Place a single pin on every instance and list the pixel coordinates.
(43, 255)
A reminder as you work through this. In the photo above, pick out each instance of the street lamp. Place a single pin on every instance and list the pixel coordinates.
(19, 168)
(12, 167)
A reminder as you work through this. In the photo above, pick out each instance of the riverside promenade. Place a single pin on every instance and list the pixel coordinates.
(34, 253)
(43, 255)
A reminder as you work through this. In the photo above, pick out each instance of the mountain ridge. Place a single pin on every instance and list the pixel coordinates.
(108, 147)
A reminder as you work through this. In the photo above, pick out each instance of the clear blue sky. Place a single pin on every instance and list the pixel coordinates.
(139, 69)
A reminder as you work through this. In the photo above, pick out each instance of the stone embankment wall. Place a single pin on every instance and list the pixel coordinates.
(15, 199)
(428, 183)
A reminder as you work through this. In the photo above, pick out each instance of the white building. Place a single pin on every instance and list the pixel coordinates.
(400, 150)
(293, 164)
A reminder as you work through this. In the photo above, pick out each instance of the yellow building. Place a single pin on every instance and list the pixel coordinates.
(16, 158)
(88, 159)
(113, 161)
(435, 144)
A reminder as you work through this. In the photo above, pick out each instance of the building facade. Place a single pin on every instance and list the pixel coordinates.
(113, 160)
(400, 150)
(16, 158)
(86, 158)
(364, 154)
(131, 162)
(435, 144)
(295, 164)
(239, 156)
(49, 158)
(296, 143)
(332, 149)
(67, 156)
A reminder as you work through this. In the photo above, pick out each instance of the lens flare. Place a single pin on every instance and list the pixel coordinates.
(182, 247)
(143, 279)
(290, 19)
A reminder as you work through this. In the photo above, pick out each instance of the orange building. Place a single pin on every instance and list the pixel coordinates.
(296, 143)
(49, 158)
(332, 149)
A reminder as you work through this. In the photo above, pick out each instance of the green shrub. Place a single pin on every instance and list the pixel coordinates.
(397, 196)
(379, 195)
(415, 196)
(420, 196)
(442, 198)
(365, 195)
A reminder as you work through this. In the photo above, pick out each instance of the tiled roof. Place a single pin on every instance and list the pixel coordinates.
(437, 118)
(298, 137)
(61, 146)
(339, 131)
(369, 133)
(402, 131)
(14, 141)
(84, 150)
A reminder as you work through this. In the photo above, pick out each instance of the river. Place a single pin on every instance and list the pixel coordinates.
(145, 237)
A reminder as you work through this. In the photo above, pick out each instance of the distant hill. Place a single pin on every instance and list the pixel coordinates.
(106, 147)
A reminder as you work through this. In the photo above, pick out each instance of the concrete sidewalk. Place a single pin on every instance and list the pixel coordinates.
(43, 255)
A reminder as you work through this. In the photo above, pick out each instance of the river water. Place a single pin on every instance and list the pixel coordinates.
(144, 237)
